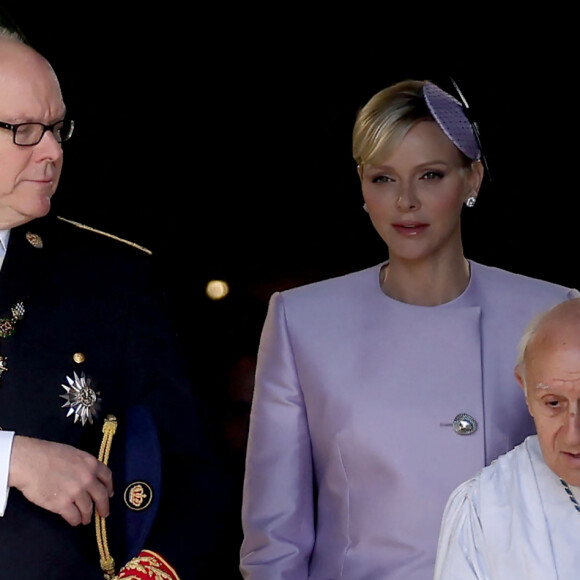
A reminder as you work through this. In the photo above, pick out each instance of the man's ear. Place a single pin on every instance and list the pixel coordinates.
(519, 373)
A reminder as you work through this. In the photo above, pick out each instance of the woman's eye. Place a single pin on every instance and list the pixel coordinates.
(381, 179)
(432, 175)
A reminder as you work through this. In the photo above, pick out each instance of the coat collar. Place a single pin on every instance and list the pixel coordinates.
(23, 265)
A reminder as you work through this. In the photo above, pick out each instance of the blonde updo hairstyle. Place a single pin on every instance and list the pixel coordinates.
(384, 121)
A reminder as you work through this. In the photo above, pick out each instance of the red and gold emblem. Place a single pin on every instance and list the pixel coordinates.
(34, 240)
(149, 565)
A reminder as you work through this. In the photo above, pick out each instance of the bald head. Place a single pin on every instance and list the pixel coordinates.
(14, 52)
(24, 68)
(558, 328)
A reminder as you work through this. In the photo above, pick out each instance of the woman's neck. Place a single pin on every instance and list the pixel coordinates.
(425, 283)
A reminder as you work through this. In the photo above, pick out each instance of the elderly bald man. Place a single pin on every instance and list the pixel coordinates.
(520, 517)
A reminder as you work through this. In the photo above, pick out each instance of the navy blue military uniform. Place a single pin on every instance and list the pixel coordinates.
(92, 314)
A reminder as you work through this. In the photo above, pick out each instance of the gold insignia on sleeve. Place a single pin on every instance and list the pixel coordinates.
(138, 496)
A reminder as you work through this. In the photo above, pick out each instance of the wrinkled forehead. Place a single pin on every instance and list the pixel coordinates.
(554, 368)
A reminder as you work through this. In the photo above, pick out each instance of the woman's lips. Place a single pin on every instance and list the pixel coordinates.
(410, 229)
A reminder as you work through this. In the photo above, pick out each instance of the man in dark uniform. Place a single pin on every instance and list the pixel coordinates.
(83, 337)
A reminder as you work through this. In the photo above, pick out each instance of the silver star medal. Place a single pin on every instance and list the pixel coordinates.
(81, 399)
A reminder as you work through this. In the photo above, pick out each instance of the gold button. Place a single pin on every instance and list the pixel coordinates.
(79, 357)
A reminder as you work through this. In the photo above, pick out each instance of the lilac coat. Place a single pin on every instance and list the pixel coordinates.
(351, 454)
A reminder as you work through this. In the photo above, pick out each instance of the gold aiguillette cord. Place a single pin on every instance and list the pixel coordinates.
(107, 562)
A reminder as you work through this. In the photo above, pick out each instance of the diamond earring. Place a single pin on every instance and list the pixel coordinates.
(365, 207)
(470, 201)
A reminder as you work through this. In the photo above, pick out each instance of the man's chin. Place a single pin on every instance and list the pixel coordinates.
(39, 209)
(9, 220)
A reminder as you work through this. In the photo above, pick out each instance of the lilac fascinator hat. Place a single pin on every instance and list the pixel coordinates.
(451, 116)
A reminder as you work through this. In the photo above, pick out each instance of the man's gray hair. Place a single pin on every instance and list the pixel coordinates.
(9, 33)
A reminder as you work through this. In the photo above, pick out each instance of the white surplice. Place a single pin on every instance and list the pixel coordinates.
(513, 520)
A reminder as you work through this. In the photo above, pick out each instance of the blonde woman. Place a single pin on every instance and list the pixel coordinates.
(378, 392)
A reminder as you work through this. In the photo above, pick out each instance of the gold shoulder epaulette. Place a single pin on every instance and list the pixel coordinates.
(108, 235)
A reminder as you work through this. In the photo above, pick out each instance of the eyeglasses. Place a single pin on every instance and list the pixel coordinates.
(27, 134)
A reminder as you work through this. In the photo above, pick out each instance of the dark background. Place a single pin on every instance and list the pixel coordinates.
(220, 139)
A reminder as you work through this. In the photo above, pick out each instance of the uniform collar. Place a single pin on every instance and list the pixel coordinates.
(22, 266)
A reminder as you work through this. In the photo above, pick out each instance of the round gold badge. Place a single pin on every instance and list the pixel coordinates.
(138, 496)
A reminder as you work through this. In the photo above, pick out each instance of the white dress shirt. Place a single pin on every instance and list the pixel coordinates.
(4, 237)
(6, 437)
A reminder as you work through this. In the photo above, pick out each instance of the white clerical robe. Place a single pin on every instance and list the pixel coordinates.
(513, 520)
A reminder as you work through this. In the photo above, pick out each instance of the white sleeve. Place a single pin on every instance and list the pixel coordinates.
(6, 438)
(461, 553)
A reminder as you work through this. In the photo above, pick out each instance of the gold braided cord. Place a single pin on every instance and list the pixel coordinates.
(107, 562)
